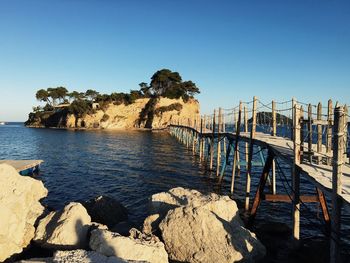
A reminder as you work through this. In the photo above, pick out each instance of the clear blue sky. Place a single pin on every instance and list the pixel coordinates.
(232, 50)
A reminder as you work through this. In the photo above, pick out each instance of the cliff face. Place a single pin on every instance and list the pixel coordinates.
(143, 113)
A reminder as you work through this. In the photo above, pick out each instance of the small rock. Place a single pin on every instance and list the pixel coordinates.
(151, 223)
(106, 210)
(137, 246)
(64, 229)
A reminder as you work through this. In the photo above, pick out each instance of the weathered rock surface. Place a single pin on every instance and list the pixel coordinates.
(202, 228)
(20, 208)
(161, 203)
(135, 247)
(106, 210)
(64, 229)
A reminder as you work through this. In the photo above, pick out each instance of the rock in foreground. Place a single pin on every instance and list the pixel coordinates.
(20, 208)
(204, 228)
(135, 247)
(106, 210)
(64, 229)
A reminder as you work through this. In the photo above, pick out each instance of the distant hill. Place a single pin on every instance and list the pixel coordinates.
(265, 118)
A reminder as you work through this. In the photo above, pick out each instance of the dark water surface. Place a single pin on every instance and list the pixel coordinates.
(127, 165)
(132, 165)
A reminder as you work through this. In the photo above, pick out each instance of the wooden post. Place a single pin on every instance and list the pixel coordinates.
(329, 131)
(238, 126)
(218, 147)
(301, 133)
(194, 134)
(273, 133)
(250, 156)
(319, 132)
(296, 174)
(201, 140)
(294, 102)
(212, 143)
(260, 190)
(338, 154)
(235, 153)
(223, 131)
(246, 130)
(309, 129)
(346, 119)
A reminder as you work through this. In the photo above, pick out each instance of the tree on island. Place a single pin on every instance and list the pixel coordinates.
(51, 95)
(169, 84)
(91, 94)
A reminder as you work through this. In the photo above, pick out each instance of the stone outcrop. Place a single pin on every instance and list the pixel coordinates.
(121, 116)
(64, 229)
(202, 228)
(106, 210)
(136, 247)
(20, 208)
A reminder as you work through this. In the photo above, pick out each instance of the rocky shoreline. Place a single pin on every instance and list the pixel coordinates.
(183, 226)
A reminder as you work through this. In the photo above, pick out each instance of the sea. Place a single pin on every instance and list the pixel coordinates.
(130, 166)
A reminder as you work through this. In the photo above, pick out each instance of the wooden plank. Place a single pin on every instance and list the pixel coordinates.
(329, 130)
(323, 204)
(287, 198)
(22, 165)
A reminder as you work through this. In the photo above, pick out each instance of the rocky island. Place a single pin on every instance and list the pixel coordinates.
(167, 98)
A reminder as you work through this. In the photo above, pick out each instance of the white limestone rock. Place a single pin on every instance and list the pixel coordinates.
(20, 208)
(202, 228)
(64, 229)
(136, 247)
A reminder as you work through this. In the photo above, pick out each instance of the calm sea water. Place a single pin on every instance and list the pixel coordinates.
(132, 165)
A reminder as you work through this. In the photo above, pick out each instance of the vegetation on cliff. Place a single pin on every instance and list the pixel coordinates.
(59, 102)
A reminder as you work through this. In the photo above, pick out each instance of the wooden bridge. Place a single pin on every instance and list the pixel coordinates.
(313, 144)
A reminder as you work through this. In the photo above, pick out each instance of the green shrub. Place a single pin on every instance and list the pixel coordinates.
(175, 106)
(80, 107)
